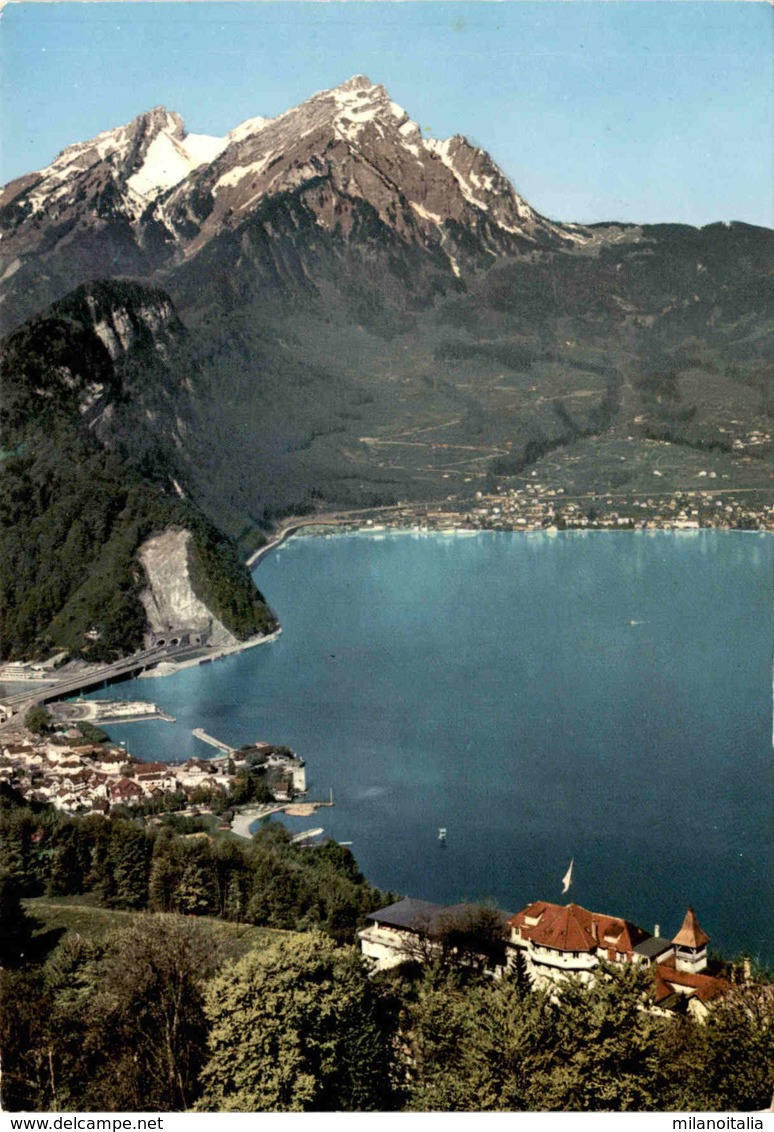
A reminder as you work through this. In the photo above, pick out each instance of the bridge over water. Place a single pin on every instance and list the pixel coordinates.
(93, 678)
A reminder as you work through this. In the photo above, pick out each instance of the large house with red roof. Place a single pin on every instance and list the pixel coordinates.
(557, 941)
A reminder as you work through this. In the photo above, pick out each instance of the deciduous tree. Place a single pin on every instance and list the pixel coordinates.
(293, 1028)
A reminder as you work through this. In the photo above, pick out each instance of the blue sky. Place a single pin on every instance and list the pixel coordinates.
(636, 111)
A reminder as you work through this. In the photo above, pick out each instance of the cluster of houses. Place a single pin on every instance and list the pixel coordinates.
(78, 776)
(554, 942)
(536, 506)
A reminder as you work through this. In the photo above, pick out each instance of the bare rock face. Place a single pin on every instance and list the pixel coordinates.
(81, 216)
(361, 145)
(122, 327)
(172, 606)
(146, 196)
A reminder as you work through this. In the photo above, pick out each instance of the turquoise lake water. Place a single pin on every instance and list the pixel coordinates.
(605, 697)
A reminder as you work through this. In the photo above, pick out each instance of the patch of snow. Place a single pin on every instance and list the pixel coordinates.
(569, 233)
(239, 172)
(423, 212)
(168, 161)
(442, 148)
(347, 98)
(468, 195)
(203, 148)
(112, 142)
(485, 183)
(366, 115)
(248, 128)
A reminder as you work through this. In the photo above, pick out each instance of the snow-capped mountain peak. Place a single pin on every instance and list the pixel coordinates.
(344, 155)
(358, 102)
(147, 156)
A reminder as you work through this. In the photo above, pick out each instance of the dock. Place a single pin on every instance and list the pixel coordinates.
(307, 834)
(108, 711)
(205, 738)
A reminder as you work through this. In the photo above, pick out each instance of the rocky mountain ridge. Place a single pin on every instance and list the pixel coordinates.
(365, 147)
(328, 308)
(140, 198)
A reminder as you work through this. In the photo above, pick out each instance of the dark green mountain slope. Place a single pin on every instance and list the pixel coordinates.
(359, 375)
(92, 418)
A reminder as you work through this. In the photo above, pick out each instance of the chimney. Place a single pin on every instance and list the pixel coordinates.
(657, 930)
(747, 969)
(594, 935)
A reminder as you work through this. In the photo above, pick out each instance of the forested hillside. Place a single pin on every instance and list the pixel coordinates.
(145, 969)
(91, 469)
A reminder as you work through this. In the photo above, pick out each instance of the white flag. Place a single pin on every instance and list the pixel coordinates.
(567, 878)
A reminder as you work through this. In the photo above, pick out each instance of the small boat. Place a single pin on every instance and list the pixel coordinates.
(442, 835)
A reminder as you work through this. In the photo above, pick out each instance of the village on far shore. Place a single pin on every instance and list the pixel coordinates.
(537, 506)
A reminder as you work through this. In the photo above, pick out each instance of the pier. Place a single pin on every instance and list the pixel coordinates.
(306, 835)
(246, 815)
(108, 711)
(213, 742)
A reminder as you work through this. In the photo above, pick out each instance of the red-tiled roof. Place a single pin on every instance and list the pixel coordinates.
(573, 928)
(691, 934)
(567, 929)
(705, 987)
(125, 788)
(152, 770)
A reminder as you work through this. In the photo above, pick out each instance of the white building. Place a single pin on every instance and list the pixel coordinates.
(555, 942)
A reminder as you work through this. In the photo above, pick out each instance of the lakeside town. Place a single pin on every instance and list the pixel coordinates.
(75, 773)
(538, 506)
(75, 768)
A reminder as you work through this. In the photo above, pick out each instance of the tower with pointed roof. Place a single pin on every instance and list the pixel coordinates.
(691, 945)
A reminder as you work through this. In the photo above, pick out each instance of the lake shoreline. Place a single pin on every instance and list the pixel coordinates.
(383, 520)
(169, 668)
(640, 664)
